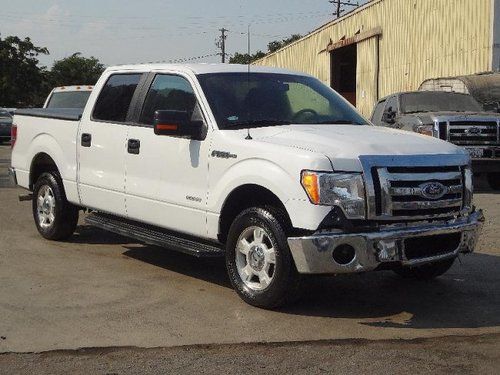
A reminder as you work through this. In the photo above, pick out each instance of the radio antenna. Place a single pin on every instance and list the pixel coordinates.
(248, 77)
(248, 47)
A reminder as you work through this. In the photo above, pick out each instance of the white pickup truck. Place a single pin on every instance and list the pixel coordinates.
(267, 167)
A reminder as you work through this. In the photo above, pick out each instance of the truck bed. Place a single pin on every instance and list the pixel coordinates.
(47, 133)
(69, 114)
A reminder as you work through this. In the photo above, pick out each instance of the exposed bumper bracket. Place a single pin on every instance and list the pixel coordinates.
(313, 254)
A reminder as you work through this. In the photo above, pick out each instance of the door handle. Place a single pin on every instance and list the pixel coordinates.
(134, 146)
(86, 139)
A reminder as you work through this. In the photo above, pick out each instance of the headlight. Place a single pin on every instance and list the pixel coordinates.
(426, 130)
(346, 190)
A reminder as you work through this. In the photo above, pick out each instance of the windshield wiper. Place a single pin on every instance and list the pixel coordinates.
(255, 124)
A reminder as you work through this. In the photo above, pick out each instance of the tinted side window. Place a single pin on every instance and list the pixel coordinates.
(377, 113)
(114, 100)
(168, 92)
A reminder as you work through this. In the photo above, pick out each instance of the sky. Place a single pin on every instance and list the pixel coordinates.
(141, 31)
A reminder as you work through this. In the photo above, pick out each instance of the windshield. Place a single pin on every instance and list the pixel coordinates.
(69, 99)
(436, 101)
(243, 100)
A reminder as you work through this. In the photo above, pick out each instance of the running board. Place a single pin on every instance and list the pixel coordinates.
(154, 235)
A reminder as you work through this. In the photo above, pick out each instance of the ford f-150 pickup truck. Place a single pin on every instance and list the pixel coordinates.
(267, 167)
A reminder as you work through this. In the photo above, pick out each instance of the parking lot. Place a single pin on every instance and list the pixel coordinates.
(100, 290)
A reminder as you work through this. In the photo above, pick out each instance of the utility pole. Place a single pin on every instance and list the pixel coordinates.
(339, 4)
(221, 43)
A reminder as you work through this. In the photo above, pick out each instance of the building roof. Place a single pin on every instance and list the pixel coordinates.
(351, 13)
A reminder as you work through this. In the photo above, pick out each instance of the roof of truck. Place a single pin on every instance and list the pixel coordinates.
(203, 68)
(73, 88)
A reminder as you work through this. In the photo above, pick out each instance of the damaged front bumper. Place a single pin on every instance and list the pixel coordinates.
(408, 245)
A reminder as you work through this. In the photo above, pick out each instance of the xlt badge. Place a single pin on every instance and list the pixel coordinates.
(223, 155)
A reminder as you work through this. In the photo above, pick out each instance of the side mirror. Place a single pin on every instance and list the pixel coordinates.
(177, 124)
(389, 116)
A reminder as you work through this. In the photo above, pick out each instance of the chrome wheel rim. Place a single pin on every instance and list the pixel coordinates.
(46, 205)
(255, 258)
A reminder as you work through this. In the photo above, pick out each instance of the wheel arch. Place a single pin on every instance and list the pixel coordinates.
(246, 196)
(41, 163)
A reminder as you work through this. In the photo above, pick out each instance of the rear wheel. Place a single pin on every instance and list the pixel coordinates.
(494, 180)
(426, 271)
(258, 259)
(55, 218)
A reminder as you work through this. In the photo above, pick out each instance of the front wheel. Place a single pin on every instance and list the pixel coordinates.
(55, 218)
(426, 271)
(258, 259)
(494, 180)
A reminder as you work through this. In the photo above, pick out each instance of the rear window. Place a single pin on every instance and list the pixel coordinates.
(114, 100)
(69, 99)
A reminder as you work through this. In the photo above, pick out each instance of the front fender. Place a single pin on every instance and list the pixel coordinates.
(273, 177)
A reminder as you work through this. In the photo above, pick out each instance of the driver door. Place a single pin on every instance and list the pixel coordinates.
(167, 176)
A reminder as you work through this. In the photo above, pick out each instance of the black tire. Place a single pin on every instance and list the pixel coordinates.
(427, 271)
(65, 214)
(494, 180)
(284, 286)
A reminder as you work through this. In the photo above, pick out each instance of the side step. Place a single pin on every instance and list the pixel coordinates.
(154, 236)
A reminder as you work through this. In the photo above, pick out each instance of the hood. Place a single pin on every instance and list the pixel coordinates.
(343, 144)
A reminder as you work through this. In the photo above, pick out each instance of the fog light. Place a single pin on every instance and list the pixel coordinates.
(344, 254)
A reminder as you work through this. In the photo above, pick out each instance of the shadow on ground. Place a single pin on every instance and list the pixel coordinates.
(468, 296)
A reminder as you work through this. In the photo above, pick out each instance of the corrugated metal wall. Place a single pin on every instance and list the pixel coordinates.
(420, 39)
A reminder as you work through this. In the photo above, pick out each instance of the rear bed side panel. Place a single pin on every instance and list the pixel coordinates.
(54, 137)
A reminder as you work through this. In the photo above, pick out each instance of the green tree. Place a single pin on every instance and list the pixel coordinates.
(76, 70)
(21, 79)
(245, 58)
(278, 44)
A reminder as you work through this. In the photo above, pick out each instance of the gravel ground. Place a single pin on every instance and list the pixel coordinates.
(447, 355)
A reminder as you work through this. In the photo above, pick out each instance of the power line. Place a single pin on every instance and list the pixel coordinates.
(184, 59)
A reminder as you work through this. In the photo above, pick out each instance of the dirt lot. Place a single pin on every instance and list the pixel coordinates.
(105, 292)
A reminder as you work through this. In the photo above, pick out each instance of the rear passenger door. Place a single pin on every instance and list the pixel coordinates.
(102, 142)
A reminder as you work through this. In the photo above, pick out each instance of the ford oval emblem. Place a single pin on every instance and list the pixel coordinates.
(473, 131)
(433, 190)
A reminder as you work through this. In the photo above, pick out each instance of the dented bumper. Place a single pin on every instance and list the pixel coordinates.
(335, 253)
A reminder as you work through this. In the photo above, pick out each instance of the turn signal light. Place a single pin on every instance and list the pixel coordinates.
(310, 183)
(166, 127)
(426, 130)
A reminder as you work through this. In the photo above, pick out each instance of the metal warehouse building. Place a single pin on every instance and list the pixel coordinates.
(388, 46)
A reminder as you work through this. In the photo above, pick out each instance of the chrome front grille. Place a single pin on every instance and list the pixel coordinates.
(472, 132)
(402, 192)
(419, 187)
